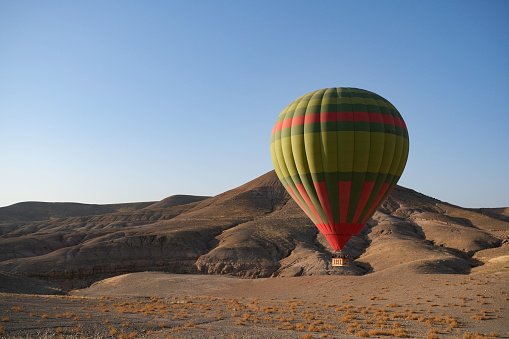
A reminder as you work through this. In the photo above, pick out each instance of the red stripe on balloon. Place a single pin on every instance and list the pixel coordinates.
(338, 117)
(308, 201)
(323, 196)
(298, 120)
(366, 191)
(286, 123)
(389, 119)
(277, 127)
(337, 241)
(377, 201)
(289, 189)
(344, 198)
(339, 233)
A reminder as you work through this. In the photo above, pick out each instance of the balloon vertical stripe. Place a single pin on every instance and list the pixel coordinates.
(344, 199)
(304, 194)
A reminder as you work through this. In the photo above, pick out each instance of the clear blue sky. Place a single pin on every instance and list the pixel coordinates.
(121, 101)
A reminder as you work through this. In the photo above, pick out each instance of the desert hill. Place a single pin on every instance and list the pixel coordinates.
(254, 230)
(37, 210)
(501, 213)
(176, 200)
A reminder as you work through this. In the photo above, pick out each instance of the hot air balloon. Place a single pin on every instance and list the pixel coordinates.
(339, 152)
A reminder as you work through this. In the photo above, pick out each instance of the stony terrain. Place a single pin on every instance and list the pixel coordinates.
(392, 303)
(422, 268)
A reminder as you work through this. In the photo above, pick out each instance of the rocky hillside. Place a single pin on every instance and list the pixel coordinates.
(252, 231)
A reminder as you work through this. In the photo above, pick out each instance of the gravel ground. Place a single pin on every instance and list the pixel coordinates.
(159, 305)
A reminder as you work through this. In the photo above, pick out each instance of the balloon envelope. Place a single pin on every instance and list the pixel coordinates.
(339, 152)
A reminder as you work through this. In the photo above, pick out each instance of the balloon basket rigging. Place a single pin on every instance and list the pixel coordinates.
(340, 259)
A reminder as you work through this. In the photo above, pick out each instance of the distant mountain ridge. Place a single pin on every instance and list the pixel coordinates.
(38, 211)
(254, 230)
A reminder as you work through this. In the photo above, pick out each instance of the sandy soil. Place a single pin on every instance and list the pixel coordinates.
(158, 305)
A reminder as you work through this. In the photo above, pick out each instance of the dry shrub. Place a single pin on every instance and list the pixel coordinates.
(494, 334)
(378, 332)
(362, 334)
(289, 326)
(300, 327)
(314, 328)
(399, 333)
(480, 317)
(1, 330)
(6, 319)
(330, 326)
(454, 323)
(17, 308)
(307, 336)
(59, 330)
(347, 318)
(432, 334)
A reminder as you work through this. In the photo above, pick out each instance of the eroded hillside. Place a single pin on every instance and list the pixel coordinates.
(255, 230)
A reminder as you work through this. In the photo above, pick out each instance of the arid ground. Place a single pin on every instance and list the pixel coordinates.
(158, 305)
